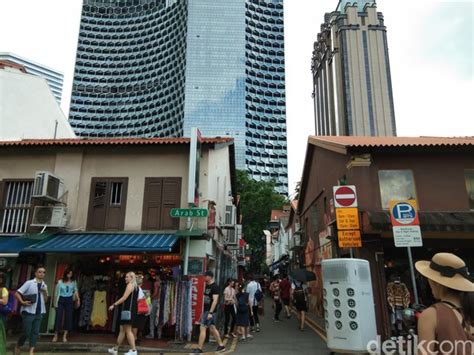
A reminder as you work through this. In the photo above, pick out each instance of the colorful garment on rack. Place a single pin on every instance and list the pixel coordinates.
(99, 309)
(86, 308)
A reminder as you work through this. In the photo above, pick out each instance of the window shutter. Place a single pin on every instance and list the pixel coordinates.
(116, 203)
(152, 203)
(171, 199)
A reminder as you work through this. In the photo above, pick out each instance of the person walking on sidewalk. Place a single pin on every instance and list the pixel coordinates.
(277, 305)
(244, 312)
(32, 296)
(285, 293)
(155, 304)
(299, 299)
(64, 297)
(208, 319)
(254, 290)
(229, 308)
(127, 315)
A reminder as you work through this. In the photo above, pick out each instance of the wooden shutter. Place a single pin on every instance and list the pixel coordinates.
(171, 199)
(152, 203)
(116, 203)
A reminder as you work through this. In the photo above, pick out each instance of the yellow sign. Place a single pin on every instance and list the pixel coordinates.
(349, 239)
(347, 218)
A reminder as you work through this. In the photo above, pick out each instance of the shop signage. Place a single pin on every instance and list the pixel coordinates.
(347, 218)
(349, 239)
(409, 236)
(345, 196)
(188, 212)
(197, 297)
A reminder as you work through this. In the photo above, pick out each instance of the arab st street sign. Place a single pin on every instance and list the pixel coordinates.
(188, 212)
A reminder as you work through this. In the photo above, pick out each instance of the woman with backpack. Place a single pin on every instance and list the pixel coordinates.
(298, 289)
(244, 312)
(3, 303)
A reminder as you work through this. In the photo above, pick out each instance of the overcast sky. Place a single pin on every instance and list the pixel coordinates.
(430, 44)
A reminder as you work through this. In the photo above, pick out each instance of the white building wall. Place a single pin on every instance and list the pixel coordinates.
(28, 109)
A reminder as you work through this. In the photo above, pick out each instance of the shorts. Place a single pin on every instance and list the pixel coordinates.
(286, 301)
(207, 322)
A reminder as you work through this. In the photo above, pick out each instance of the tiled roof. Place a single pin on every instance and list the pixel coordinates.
(277, 214)
(111, 141)
(363, 141)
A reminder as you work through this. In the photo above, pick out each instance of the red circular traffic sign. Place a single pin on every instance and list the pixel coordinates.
(345, 196)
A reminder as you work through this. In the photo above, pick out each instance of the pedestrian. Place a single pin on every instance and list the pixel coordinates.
(155, 304)
(447, 327)
(139, 321)
(244, 313)
(285, 293)
(298, 289)
(276, 296)
(32, 296)
(229, 308)
(128, 314)
(3, 315)
(64, 297)
(253, 287)
(208, 319)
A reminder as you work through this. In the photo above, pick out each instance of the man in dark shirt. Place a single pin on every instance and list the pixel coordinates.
(211, 299)
(285, 291)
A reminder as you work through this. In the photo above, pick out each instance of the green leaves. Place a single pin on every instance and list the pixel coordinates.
(257, 200)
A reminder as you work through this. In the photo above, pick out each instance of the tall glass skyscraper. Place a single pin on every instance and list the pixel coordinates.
(156, 68)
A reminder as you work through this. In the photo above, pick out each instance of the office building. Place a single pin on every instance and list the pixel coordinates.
(54, 78)
(156, 68)
(351, 73)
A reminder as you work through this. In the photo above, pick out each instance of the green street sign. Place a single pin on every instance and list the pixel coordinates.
(188, 212)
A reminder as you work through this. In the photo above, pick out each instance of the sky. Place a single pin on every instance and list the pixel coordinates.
(430, 45)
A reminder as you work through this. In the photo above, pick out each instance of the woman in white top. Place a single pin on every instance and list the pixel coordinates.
(229, 308)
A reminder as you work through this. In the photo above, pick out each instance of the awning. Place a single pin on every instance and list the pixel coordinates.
(115, 243)
(12, 246)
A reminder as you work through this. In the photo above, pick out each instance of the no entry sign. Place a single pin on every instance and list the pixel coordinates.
(345, 196)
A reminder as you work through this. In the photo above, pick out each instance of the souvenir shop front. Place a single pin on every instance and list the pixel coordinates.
(100, 262)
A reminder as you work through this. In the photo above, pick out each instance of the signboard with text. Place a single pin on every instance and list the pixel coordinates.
(188, 212)
(197, 297)
(347, 218)
(406, 223)
(345, 196)
(349, 239)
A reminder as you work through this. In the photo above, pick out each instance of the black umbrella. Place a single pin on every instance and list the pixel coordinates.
(303, 275)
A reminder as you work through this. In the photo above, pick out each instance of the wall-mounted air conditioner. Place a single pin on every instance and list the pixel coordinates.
(47, 186)
(234, 235)
(230, 216)
(49, 216)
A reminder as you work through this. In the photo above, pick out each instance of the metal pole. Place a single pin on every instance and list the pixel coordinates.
(186, 256)
(412, 272)
(351, 252)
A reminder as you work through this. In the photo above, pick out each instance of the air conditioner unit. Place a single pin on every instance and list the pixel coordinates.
(47, 186)
(234, 235)
(230, 215)
(348, 304)
(51, 216)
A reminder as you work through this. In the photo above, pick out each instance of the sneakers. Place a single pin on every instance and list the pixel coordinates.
(197, 351)
(242, 338)
(220, 349)
(258, 328)
(131, 352)
(112, 351)
(250, 336)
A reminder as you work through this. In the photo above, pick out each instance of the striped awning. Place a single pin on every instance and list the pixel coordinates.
(12, 246)
(112, 243)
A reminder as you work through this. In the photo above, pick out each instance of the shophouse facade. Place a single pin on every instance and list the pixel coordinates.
(437, 172)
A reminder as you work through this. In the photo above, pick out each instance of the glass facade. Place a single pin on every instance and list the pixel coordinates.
(156, 68)
(266, 155)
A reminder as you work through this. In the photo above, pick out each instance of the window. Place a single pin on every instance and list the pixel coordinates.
(396, 185)
(107, 204)
(15, 205)
(161, 195)
(469, 175)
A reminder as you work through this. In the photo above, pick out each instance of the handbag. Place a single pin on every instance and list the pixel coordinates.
(30, 298)
(142, 306)
(127, 315)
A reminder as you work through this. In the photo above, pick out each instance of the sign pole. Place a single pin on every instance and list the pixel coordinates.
(412, 272)
(351, 252)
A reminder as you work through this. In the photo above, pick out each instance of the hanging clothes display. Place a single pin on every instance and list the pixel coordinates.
(99, 309)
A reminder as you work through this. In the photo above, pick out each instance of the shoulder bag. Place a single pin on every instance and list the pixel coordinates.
(127, 315)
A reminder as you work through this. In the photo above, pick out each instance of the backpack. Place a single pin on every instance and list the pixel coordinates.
(298, 294)
(258, 294)
(6, 309)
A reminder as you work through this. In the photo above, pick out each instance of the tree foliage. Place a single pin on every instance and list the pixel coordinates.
(257, 200)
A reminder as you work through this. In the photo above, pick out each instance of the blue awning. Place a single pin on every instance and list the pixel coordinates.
(12, 246)
(105, 243)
